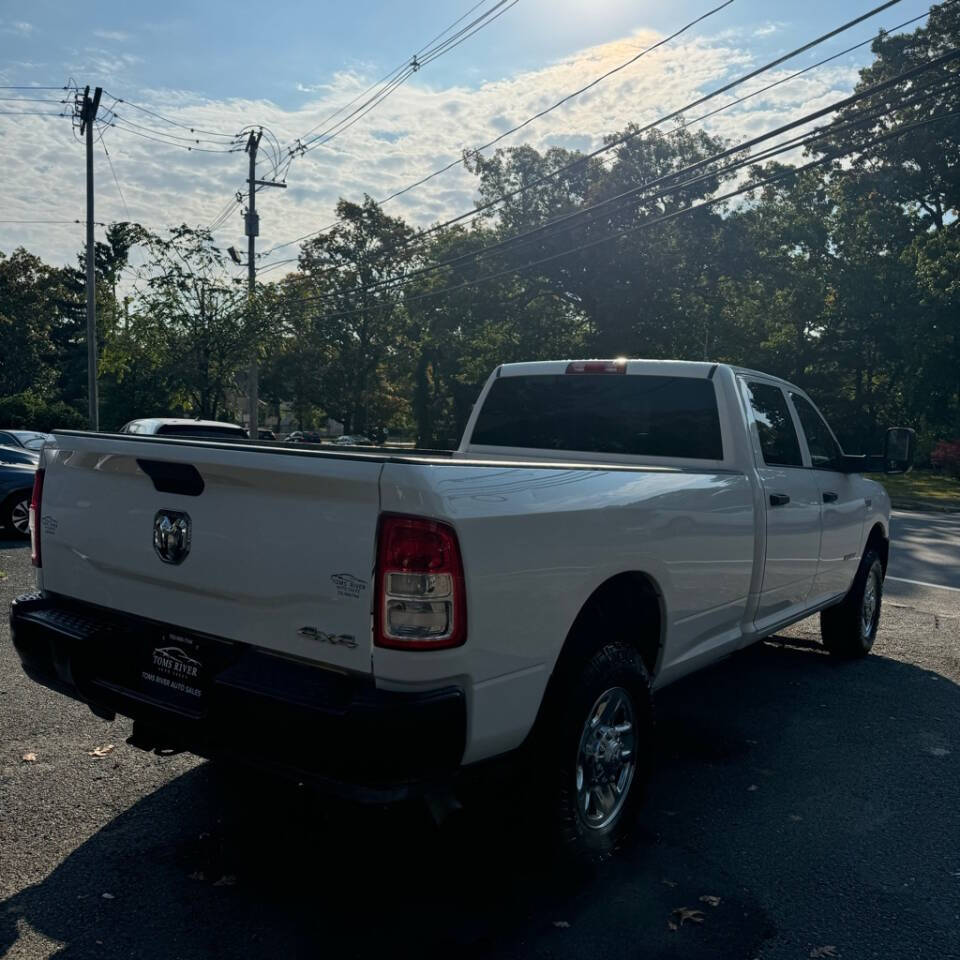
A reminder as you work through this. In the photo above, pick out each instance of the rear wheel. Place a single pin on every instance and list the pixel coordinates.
(849, 629)
(595, 748)
(16, 514)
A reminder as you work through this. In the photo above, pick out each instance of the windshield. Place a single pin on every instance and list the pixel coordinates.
(31, 439)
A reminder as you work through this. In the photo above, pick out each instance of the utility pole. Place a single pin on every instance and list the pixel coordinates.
(252, 230)
(87, 116)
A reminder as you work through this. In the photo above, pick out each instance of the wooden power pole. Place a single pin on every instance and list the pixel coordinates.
(87, 116)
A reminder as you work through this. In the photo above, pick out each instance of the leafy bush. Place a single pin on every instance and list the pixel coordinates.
(946, 457)
(27, 411)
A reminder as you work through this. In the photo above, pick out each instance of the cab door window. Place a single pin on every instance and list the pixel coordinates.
(824, 450)
(778, 436)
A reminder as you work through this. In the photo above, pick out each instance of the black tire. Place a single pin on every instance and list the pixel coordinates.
(565, 780)
(849, 629)
(14, 514)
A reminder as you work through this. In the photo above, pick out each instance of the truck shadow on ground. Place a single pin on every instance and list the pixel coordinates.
(786, 782)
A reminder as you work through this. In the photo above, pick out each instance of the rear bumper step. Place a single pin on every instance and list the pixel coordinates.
(336, 731)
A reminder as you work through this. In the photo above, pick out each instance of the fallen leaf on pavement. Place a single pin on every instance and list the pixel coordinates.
(712, 901)
(227, 880)
(101, 751)
(29, 758)
(108, 896)
(562, 924)
(828, 951)
(681, 915)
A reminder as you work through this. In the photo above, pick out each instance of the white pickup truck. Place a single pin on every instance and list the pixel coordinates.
(378, 621)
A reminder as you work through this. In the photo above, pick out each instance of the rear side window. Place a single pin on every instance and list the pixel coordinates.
(644, 416)
(778, 436)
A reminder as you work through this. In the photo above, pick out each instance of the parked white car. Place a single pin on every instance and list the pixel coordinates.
(379, 622)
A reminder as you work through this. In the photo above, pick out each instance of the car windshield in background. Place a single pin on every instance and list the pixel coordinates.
(29, 438)
(644, 416)
(189, 430)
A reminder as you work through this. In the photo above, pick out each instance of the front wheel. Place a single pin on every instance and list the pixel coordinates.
(850, 628)
(597, 747)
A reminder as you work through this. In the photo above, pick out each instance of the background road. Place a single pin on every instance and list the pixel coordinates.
(819, 801)
(926, 548)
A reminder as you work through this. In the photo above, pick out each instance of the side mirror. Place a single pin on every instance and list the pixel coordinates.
(898, 450)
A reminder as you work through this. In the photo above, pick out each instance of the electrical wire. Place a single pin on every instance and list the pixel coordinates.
(29, 100)
(169, 143)
(430, 51)
(583, 159)
(161, 133)
(174, 123)
(916, 95)
(460, 160)
(106, 153)
(672, 215)
(391, 74)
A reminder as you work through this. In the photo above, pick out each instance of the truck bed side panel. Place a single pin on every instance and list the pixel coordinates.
(537, 542)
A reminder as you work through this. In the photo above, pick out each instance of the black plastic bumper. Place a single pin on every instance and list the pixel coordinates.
(339, 732)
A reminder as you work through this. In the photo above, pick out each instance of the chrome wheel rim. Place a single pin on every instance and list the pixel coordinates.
(871, 600)
(20, 516)
(606, 758)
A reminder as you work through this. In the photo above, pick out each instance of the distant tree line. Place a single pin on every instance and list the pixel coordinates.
(844, 278)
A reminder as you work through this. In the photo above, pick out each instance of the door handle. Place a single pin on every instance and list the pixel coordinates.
(779, 499)
(830, 497)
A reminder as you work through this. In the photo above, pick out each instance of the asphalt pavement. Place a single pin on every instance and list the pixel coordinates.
(926, 548)
(814, 804)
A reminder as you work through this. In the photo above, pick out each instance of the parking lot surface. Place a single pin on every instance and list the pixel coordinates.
(815, 804)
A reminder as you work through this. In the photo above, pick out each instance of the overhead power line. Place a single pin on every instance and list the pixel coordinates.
(29, 100)
(612, 144)
(106, 153)
(387, 84)
(785, 174)
(398, 69)
(192, 128)
(672, 182)
(49, 221)
(675, 185)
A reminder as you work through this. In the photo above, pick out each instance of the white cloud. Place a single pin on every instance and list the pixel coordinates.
(117, 35)
(417, 130)
(20, 27)
(768, 29)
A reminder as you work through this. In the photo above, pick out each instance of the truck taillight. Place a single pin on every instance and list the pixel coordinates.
(420, 602)
(35, 499)
(598, 366)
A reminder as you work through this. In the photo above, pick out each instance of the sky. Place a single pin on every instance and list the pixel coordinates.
(287, 65)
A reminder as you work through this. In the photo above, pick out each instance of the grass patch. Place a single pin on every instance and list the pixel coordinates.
(924, 486)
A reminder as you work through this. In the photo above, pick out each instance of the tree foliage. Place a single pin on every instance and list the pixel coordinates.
(842, 277)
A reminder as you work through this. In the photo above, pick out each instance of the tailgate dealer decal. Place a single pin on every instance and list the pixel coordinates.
(175, 669)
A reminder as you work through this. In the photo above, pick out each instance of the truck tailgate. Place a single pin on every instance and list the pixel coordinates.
(281, 544)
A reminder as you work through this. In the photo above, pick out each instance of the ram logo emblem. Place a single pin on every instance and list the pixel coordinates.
(171, 535)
